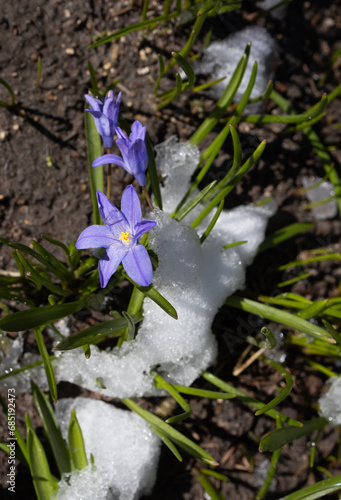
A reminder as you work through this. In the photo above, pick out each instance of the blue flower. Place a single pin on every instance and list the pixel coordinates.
(105, 115)
(119, 236)
(133, 150)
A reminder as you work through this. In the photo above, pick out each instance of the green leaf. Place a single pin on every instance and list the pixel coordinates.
(132, 27)
(47, 364)
(232, 183)
(212, 223)
(37, 277)
(318, 146)
(171, 433)
(224, 101)
(93, 77)
(284, 234)
(167, 442)
(52, 430)
(180, 214)
(300, 277)
(317, 490)
(278, 438)
(209, 487)
(58, 268)
(76, 444)
(186, 67)
(272, 469)
(38, 316)
(97, 332)
(25, 249)
(23, 369)
(94, 150)
(284, 392)
(155, 296)
(310, 260)
(208, 85)
(215, 474)
(160, 383)
(57, 243)
(277, 315)
(334, 333)
(160, 75)
(304, 117)
(235, 244)
(203, 393)
(131, 325)
(43, 481)
(247, 399)
(11, 93)
(134, 307)
(313, 310)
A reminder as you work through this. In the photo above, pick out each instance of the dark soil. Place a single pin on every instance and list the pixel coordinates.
(44, 189)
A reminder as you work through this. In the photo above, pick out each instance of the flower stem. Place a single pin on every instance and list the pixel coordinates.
(147, 198)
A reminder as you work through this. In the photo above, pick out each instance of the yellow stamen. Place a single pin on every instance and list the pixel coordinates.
(125, 236)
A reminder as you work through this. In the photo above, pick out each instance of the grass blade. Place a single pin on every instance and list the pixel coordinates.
(179, 215)
(76, 444)
(278, 438)
(52, 430)
(232, 183)
(317, 490)
(96, 333)
(132, 27)
(11, 93)
(38, 316)
(94, 150)
(47, 364)
(171, 433)
(284, 234)
(277, 315)
(247, 399)
(186, 67)
(155, 296)
(291, 118)
(43, 481)
(284, 393)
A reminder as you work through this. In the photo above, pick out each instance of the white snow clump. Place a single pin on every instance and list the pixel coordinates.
(125, 451)
(330, 403)
(221, 58)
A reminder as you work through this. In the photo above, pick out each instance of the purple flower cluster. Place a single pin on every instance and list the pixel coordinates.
(121, 230)
(105, 115)
(133, 148)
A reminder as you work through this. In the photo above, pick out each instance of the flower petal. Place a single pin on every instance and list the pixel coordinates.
(93, 102)
(143, 227)
(109, 103)
(137, 158)
(138, 266)
(110, 109)
(106, 159)
(138, 131)
(95, 237)
(110, 214)
(131, 206)
(95, 114)
(109, 262)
